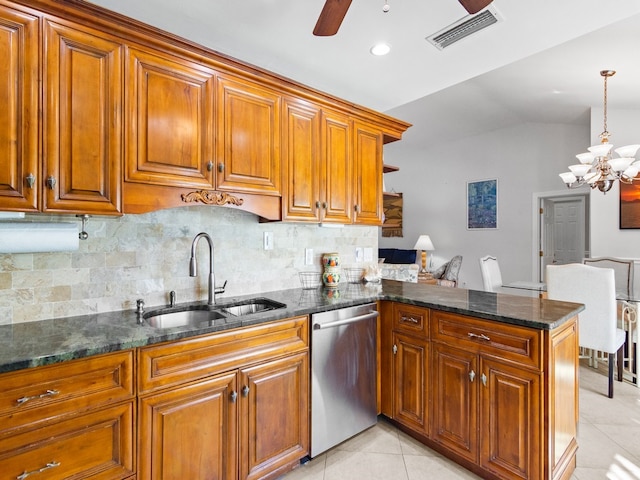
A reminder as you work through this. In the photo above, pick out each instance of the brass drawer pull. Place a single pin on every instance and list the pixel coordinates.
(410, 319)
(482, 336)
(48, 393)
(40, 470)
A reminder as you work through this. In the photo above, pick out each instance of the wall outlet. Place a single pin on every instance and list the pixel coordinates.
(308, 256)
(368, 254)
(268, 240)
(359, 254)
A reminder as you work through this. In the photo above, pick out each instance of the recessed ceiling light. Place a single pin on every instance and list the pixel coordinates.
(380, 49)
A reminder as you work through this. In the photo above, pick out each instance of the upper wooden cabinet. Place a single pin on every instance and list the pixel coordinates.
(367, 154)
(105, 115)
(170, 121)
(248, 137)
(82, 120)
(19, 169)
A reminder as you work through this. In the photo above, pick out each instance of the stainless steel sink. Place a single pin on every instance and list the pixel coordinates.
(180, 318)
(248, 307)
(206, 315)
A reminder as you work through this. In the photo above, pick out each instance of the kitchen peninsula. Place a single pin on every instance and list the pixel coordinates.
(521, 363)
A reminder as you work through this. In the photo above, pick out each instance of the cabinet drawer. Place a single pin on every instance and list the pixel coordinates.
(520, 344)
(98, 445)
(411, 319)
(32, 397)
(194, 358)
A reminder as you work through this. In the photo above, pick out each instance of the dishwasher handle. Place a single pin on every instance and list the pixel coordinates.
(346, 321)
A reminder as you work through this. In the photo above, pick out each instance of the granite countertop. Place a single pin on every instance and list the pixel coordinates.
(32, 344)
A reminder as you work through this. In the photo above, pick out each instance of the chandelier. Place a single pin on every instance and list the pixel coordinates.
(597, 167)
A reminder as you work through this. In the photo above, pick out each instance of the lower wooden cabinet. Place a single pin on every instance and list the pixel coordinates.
(499, 399)
(230, 405)
(70, 420)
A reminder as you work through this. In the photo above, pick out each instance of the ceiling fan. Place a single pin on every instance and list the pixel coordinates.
(334, 11)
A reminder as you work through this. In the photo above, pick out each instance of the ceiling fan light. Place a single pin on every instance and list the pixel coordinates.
(380, 49)
(600, 150)
(627, 150)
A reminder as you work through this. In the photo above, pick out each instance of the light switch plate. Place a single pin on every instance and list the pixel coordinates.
(308, 256)
(359, 254)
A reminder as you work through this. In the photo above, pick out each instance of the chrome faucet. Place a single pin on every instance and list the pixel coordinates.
(193, 269)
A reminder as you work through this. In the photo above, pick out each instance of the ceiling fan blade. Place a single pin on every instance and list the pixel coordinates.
(474, 6)
(331, 17)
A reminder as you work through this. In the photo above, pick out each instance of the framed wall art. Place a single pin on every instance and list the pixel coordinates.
(630, 204)
(482, 205)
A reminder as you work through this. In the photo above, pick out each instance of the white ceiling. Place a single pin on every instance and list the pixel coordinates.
(541, 63)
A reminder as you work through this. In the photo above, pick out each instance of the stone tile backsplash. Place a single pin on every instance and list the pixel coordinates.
(146, 256)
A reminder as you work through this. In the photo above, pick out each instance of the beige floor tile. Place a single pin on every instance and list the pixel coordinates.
(346, 465)
(432, 467)
(381, 438)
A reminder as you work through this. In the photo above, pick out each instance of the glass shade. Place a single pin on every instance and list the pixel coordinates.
(585, 158)
(579, 170)
(620, 164)
(631, 172)
(601, 150)
(592, 177)
(568, 177)
(627, 150)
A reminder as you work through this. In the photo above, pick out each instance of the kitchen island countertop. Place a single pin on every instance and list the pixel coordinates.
(32, 344)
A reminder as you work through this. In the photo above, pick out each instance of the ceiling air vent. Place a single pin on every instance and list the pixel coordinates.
(464, 27)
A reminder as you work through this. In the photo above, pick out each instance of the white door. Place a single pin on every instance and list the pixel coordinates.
(562, 231)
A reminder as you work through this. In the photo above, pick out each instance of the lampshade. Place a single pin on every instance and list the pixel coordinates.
(424, 243)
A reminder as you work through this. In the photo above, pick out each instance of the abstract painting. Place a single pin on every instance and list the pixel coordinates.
(482, 205)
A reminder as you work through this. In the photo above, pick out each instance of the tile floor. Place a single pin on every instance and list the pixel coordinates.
(608, 436)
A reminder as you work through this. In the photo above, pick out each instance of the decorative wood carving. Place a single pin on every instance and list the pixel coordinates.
(211, 198)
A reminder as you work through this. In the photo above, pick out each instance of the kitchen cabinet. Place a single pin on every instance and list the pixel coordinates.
(170, 137)
(367, 153)
(82, 120)
(19, 92)
(492, 396)
(411, 366)
(234, 404)
(318, 165)
(73, 420)
(248, 136)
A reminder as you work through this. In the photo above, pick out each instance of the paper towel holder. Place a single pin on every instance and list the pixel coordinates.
(83, 235)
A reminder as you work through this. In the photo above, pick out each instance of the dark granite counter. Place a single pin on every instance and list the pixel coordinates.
(33, 344)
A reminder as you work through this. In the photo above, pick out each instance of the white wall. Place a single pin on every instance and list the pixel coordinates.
(525, 158)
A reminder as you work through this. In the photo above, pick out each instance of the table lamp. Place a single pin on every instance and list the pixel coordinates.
(425, 244)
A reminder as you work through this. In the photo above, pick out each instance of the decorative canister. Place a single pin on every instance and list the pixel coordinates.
(330, 260)
(331, 274)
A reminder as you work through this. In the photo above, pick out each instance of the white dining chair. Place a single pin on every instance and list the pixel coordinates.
(491, 276)
(627, 311)
(597, 323)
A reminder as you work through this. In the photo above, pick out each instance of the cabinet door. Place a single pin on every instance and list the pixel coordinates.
(411, 381)
(274, 416)
(19, 112)
(82, 120)
(367, 154)
(190, 432)
(455, 400)
(301, 151)
(170, 121)
(337, 169)
(511, 421)
(248, 140)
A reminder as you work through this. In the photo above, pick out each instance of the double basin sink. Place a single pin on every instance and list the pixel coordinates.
(204, 315)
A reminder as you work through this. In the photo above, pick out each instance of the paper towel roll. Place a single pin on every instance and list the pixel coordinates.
(28, 237)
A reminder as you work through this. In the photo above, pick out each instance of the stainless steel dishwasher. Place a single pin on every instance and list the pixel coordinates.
(343, 375)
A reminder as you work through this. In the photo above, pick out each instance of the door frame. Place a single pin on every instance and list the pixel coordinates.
(536, 241)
